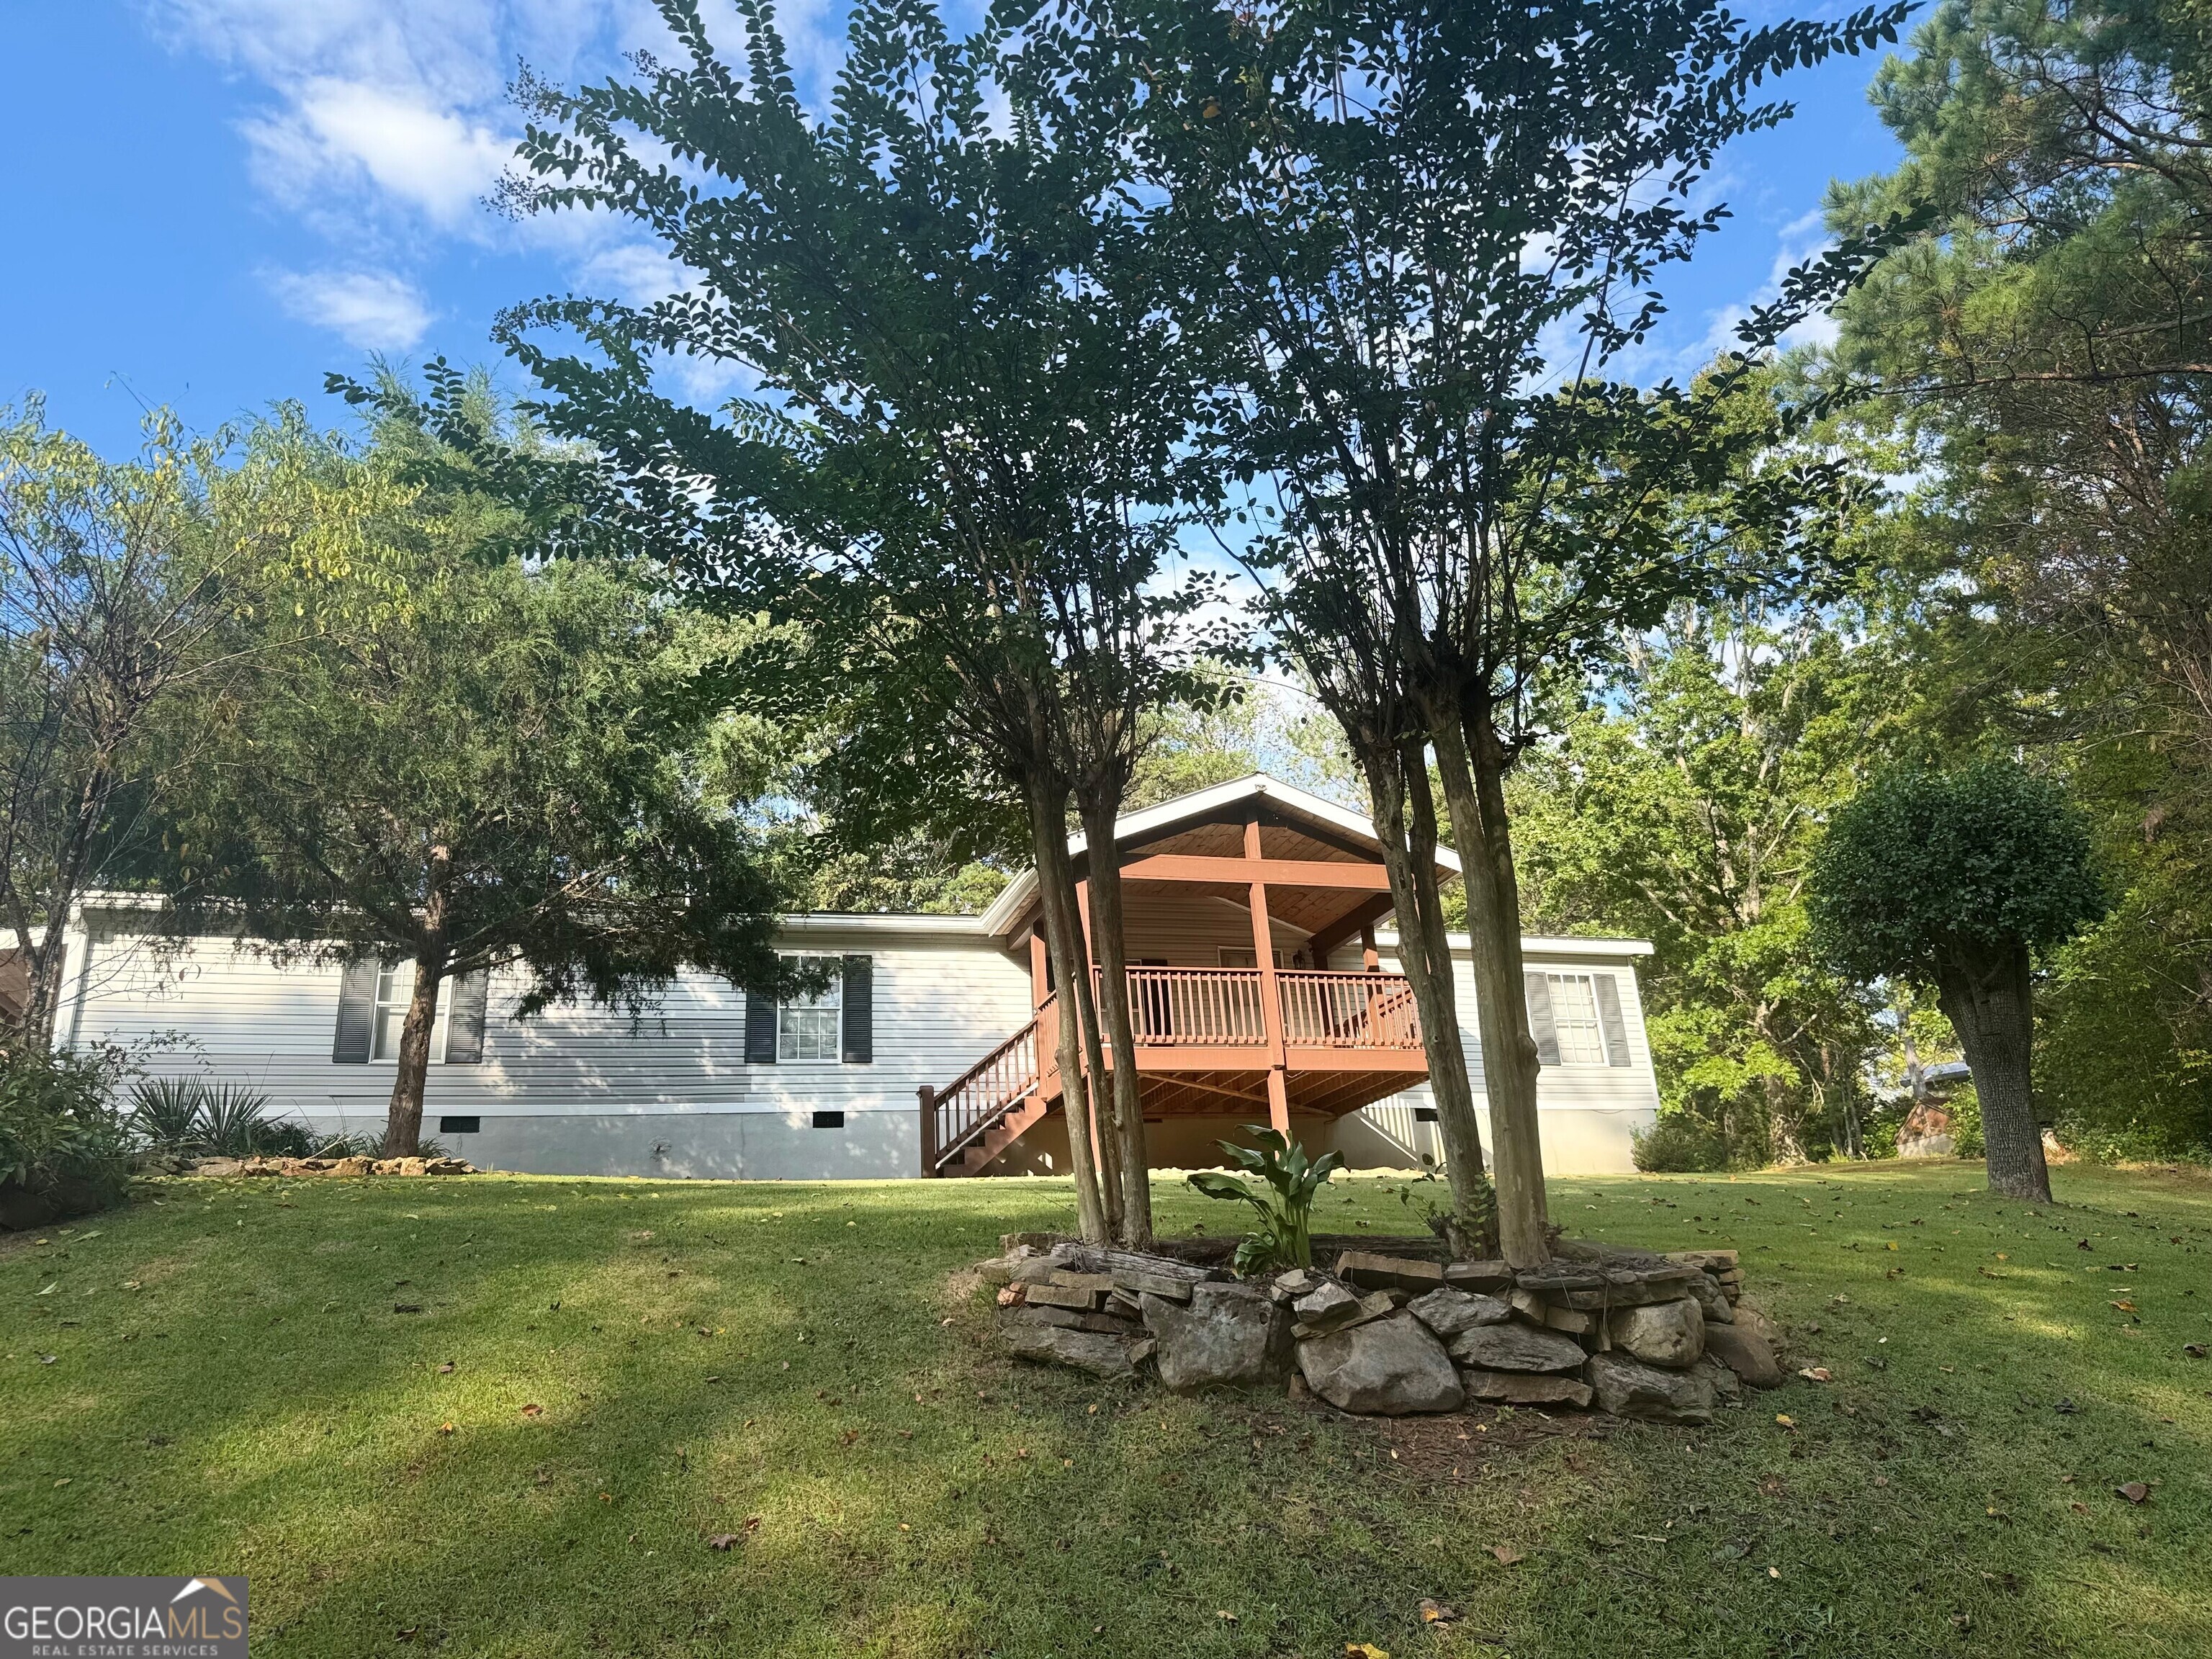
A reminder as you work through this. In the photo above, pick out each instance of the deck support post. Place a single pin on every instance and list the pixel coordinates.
(1271, 992)
(927, 1095)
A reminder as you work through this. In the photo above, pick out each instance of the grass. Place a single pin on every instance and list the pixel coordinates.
(231, 1389)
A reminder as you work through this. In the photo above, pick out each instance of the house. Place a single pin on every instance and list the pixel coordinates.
(1262, 989)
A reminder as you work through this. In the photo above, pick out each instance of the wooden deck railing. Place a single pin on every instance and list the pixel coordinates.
(1196, 1008)
(979, 1096)
(1348, 1011)
(1220, 1008)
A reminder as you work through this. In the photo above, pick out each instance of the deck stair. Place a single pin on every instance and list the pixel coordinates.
(986, 1109)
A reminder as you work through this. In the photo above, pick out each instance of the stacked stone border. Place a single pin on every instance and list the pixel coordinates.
(1390, 1331)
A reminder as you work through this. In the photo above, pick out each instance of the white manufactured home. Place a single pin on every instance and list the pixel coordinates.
(1261, 985)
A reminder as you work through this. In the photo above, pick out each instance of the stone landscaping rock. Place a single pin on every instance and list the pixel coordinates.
(1726, 1386)
(1390, 1367)
(1034, 1270)
(1086, 1351)
(354, 1166)
(1627, 1387)
(1712, 1300)
(1326, 1306)
(1059, 1296)
(1478, 1276)
(1526, 1389)
(1227, 1335)
(1670, 1333)
(1746, 1349)
(1372, 1272)
(1515, 1348)
(1630, 1287)
(1447, 1311)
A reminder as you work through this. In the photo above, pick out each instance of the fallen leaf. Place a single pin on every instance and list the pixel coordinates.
(1363, 1651)
(2124, 1307)
(1785, 1419)
(445, 1428)
(1774, 1572)
(407, 1307)
(445, 1370)
(1817, 1374)
(722, 1541)
(1225, 1615)
(2194, 1350)
(2135, 1492)
(1436, 1613)
(1506, 1556)
(2078, 1508)
(532, 1411)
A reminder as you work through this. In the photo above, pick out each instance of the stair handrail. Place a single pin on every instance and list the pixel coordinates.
(1018, 1086)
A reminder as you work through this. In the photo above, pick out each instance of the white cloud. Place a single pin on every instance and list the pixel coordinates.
(352, 135)
(369, 310)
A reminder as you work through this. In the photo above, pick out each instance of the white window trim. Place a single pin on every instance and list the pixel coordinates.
(394, 989)
(1561, 1025)
(831, 1002)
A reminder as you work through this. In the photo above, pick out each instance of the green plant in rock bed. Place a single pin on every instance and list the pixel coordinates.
(1285, 1198)
(165, 1113)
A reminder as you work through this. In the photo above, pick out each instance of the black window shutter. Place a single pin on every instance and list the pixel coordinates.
(760, 1028)
(859, 1011)
(1608, 1016)
(465, 1018)
(1540, 1018)
(357, 1006)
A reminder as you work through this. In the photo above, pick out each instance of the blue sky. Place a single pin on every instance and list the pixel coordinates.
(210, 204)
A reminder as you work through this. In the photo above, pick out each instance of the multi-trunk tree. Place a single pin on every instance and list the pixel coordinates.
(1428, 238)
(959, 474)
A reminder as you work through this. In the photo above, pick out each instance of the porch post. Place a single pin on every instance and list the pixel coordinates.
(1039, 970)
(1271, 993)
(1371, 959)
(927, 1095)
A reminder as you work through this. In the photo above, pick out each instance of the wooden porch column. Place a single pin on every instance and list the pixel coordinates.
(1039, 969)
(1371, 959)
(928, 1098)
(1271, 993)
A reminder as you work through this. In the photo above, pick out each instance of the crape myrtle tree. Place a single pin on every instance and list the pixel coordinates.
(961, 471)
(1429, 236)
(457, 755)
(1959, 880)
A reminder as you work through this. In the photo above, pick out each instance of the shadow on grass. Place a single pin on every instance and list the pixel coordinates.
(259, 1405)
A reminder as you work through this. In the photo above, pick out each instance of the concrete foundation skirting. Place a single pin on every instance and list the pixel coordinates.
(697, 1145)
(886, 1143)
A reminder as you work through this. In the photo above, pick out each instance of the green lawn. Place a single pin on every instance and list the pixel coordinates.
(231, 1389)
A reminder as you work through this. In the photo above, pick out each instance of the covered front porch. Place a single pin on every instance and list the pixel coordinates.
(1246, 995)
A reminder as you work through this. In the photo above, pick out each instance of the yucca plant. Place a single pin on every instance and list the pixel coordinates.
(1285, 1197)
(165, 1112)
(234, 1120)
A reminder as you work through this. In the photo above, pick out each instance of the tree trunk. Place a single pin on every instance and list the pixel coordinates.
(403, 1125)
(1131, 1162)
(1472, 764)
(1424, 958)
(1988, 1000)
(1062, 940)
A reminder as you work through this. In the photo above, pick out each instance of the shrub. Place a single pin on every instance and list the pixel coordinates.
(62, 1149)
(191, 1114)
(1679, 1144)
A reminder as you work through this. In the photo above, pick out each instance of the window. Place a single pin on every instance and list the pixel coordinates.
(1232, 958)
(808, 1028)
(394, 987)
(1575, 1019)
